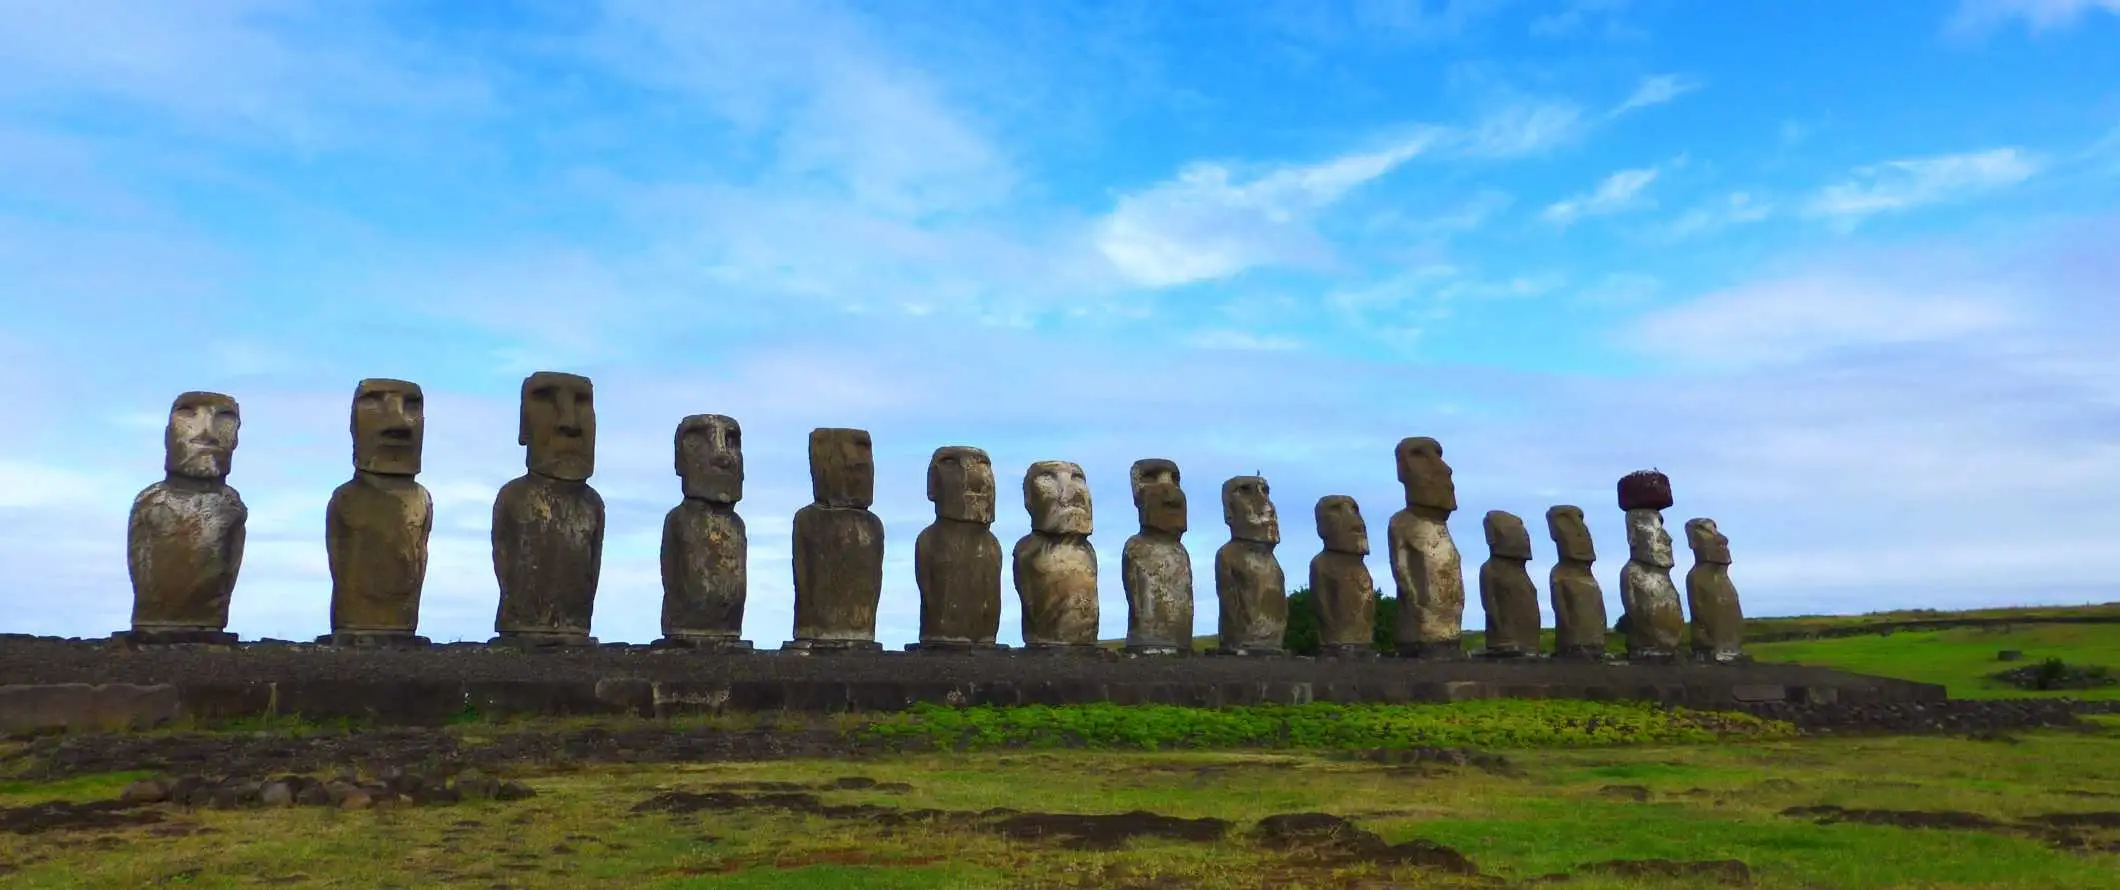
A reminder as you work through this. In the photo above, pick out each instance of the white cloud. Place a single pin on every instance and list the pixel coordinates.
(1240, 341)
(1619, 192)
(1974, 16)
(1656, 90)
(1736, 208)
(1520, 129)
(1791, 319)
(1913, 182)
(1578, 16)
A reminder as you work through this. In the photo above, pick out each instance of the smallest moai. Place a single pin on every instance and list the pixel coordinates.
(1578, 603)
(1507, 594)
(1249, 583)
(1653, 619)
(184, 541)
(957, 559)
(705, 565)
(1341, 588)
(838, 548)
(1718, 621)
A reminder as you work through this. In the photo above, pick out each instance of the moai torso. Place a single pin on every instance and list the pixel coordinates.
(377, 524)
(1055, 567)
(957, 559)
(705, 566)
(1578, 603)
(1653, 619)
(1249, 583)
(1155, 567)
(1718, 626)
(1340, 584)
(1425, 566)
(838, 546)
(548, 524)
(1507, 594)
(184, 539)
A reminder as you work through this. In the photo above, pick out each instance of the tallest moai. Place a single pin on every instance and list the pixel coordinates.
(548, 524)
(1425, 565)
(377, 524)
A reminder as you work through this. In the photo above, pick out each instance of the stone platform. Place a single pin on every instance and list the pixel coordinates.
(48, 684)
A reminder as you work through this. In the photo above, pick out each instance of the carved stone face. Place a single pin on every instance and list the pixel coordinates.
(1708, 543)
(1506, 536)
(200, 441)
(1571, 535)
(1341, 526)
(1425, 475)
(710, 458)
(1647, 542)
(1157, 497)
(960, 482)
(1247, 508)
(1057, 496)
(559, 425)
(842, 467)
(389, 425)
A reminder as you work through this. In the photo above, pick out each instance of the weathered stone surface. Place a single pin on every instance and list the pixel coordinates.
(1249, 583)
(377, 524)
(1155, 566)
(957, 559)
(1645, 490)
(82, 707)
(1718, 626)
(1425, 566)
(184, 540)
(1341, 587)
(705, 564)
(1055, 568)
(1654, 620)
(1507, 593)
(548, 524)
(838, 546)
(1578, 602)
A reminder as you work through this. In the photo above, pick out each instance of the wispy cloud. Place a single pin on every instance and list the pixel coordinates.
(1905, 184)
(1736, 208)
(1617, 193)
(1582, 16)
(1655, 90)
(1241, 341)
(1977, 16)
(1793, 318)
(1521, 128)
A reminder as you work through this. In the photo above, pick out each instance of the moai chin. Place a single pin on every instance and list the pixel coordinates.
(1578, 602)
(838, 547)
(1249, 582)
(1055, 567)
(957, 559)
(1718, 627)
(184, 540)
(705, 567)
(377, 524)
(1155, 567)
(548, 524)
(1425, 566)
(1341, 587)
(1653, 618)
(1507, 593)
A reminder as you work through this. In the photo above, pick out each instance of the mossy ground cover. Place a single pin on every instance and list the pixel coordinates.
(1961, 658)
(1562, 802)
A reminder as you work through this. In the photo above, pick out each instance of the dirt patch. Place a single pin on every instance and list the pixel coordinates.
(1636, 793)
(1334, 840)
(1077, 831)
(2066, 831)
(1950, 819)
(1728, 872)
(60, 815)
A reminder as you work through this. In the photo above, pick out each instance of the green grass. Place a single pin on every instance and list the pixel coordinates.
(1960, 658)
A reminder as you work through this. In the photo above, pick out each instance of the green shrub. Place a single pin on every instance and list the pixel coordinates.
(1301, 637)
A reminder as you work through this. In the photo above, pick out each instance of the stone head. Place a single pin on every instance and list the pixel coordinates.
(710, 458)
(960, 481)
(1708, 543)
(1571, 535)
(1340, 525)
(842, 467)
(1424, 474)
(200, 440)
(1647, 541)
(389, 425)
(1057, 496)
(1506, 536)
(559, 425)
(1157, 497)
(1247, 508)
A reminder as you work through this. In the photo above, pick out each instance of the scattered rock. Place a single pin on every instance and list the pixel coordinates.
(2053, 673)
(145, 791)
(1636, 793)
(1335, 839)
(2010, 655)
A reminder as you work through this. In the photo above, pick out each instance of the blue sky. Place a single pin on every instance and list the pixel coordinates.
(1845, 271)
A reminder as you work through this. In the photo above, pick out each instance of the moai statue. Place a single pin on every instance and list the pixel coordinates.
(1340, 584)
(1156, 569)
(548, 524)
(184, 542)
(957, 560)
(1425, 566)
(1653, 617)
(1506, 592)
(1248, 580)
(1718, 622)
(1578, 602)
(838, 548)
(377, 524)
(1055, 567)
(705, 565)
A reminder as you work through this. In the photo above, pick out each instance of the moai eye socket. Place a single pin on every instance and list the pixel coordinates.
(733, 439)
